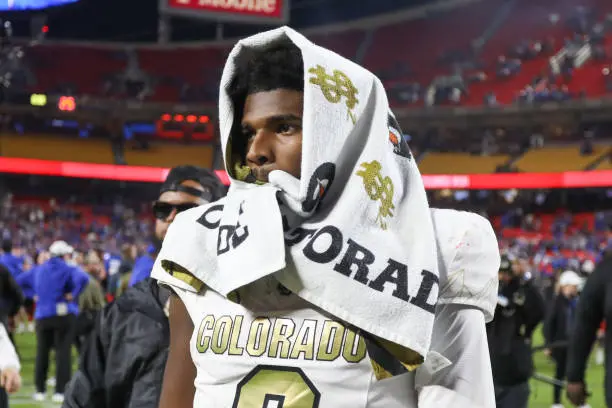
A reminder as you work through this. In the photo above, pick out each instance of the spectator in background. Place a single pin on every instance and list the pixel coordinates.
(91, 300)
(559, 325)
(112, 263)
(114, 373)
(10, 380)
(593, 308)
(26, 283)
(12, 262)
(57, 285)
(143, 264)
(520, 308)
(129, 253)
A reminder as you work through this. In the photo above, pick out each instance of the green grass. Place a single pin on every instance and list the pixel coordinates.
(26, 343)
(541, 393)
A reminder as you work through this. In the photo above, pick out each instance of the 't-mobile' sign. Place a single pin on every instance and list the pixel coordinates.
(263, 11)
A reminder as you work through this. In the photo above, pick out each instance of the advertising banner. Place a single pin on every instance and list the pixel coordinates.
(248, 11)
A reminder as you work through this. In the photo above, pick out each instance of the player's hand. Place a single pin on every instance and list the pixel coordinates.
(10, 380)
(547, 352)
(576, 393)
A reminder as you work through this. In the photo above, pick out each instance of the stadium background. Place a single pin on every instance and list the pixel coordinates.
(505, 103)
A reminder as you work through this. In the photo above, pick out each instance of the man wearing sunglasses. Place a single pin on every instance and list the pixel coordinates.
(113, 372)
(185, 187)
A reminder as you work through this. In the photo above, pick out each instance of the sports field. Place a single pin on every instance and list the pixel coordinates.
(541, 395)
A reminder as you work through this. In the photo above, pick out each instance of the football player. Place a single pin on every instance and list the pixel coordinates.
(274, 349)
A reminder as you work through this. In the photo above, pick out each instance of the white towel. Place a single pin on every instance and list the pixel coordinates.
(359, 240)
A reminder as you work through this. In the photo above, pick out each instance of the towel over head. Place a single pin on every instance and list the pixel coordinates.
(353, 235)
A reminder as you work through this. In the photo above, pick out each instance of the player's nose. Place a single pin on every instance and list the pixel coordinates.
(261, 148)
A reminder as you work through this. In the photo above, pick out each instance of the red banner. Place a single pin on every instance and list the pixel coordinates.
(232, 9)
(504, 181)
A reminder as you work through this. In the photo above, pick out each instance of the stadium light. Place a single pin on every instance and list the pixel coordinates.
(38, 99)
(66, 104)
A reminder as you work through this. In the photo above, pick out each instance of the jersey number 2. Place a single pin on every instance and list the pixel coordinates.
(276, 387)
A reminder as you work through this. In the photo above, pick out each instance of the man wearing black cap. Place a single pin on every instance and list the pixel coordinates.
(123, 363)
(520, 308)
(185, 187)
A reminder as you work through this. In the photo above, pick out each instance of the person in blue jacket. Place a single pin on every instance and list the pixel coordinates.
(26, 283)
(12, 262)
(57, 285)
(143, 266)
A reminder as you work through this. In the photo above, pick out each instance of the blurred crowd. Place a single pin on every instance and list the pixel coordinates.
(95, 233)
(101, 251)
(110, 239)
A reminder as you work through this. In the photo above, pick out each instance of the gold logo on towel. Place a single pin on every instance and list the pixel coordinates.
(335, 86)
(378, 188)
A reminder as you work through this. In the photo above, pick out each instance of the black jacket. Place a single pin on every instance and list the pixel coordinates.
(11, 296)
(122, 366)
(594, 306)
(557, 326)
(509, 333)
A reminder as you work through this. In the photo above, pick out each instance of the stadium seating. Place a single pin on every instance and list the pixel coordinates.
(50, 147)
(460, 163)
(170, 155)
(405, 51)
(589, 78)
(170, 68)
(82, 68)
(345, 43)
(533, 18)
(605, 165)
(420, 43)
(557, 159)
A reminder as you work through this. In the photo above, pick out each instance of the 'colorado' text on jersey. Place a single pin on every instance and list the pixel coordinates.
(292, 357)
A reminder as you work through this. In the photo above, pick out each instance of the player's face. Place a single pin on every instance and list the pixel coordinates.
(171, 203)
(272, 126)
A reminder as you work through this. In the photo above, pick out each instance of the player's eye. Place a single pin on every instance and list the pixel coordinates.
(286, 129)
(247, 133)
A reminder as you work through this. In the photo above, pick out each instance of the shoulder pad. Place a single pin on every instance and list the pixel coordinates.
(468, 260)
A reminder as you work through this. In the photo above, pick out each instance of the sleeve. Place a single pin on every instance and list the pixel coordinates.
(87, 387)
(98, 297)
(588, 318)
(145, 390)
(459, 335)
(80, 280)
(468, 260)
(8, 355)
(13, 294)
(26, 280)
(533, 310)
(549, 329)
